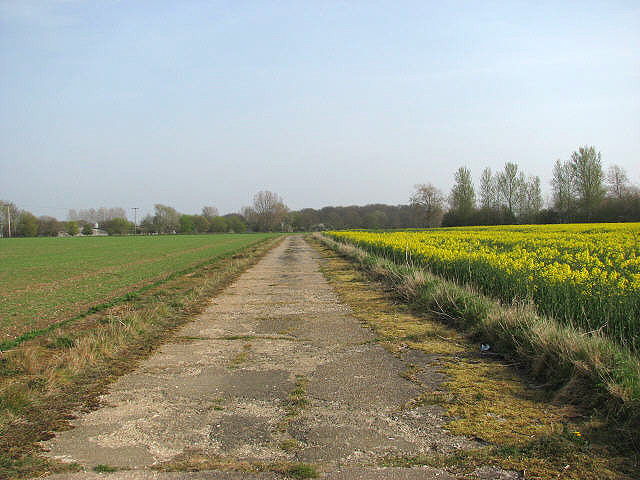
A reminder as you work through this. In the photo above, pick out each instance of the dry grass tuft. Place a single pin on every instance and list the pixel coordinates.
(197, 461)
(412, 283)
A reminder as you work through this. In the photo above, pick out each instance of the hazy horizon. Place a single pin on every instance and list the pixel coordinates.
(109, 103)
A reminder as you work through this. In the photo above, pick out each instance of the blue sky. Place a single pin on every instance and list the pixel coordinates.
(192, 103)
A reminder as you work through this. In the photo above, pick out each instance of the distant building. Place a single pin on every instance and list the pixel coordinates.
(96, 232)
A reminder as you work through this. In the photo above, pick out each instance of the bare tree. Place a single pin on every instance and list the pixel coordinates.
(100, 215)
(509, 186)
(531, 201)
(488, 190)
(269, 211)
(166, 219)
(8, 217)
(209, 212)
(562, 186)
(249, 214)
(617, 181)
(428, 204)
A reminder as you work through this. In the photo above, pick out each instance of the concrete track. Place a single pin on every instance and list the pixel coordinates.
(276, 370)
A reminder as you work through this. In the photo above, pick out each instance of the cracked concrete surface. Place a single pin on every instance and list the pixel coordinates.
(226, 392)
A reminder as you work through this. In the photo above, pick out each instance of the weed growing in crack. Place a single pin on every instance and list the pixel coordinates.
(297, 397)
(101, 468)
(289, 445)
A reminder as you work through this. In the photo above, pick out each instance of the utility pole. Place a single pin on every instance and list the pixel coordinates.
(9, 221)
(135, 220)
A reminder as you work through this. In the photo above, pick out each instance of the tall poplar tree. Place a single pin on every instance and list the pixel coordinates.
(462, 200)
(587, 176)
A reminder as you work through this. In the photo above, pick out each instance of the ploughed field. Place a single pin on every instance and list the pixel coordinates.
(586, 275)
(46, 280)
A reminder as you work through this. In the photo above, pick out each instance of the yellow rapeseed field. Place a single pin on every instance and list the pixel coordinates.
(584, 274)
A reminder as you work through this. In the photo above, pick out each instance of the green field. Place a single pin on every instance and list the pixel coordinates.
(46, 280)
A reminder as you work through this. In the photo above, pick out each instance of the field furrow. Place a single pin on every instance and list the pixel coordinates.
(44, 280)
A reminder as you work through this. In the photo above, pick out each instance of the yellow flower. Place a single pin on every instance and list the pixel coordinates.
(588, 274)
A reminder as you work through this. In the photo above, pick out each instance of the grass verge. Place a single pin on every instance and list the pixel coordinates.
(45, 379)
(126, 297)
(526, 425)
(196, 461)
(565, 358)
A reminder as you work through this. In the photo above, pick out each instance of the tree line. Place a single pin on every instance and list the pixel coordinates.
(580, 192)
(267, 213)
(25, 224)
(165, 219)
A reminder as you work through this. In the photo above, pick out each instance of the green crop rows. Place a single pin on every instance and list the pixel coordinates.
(46, 280)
